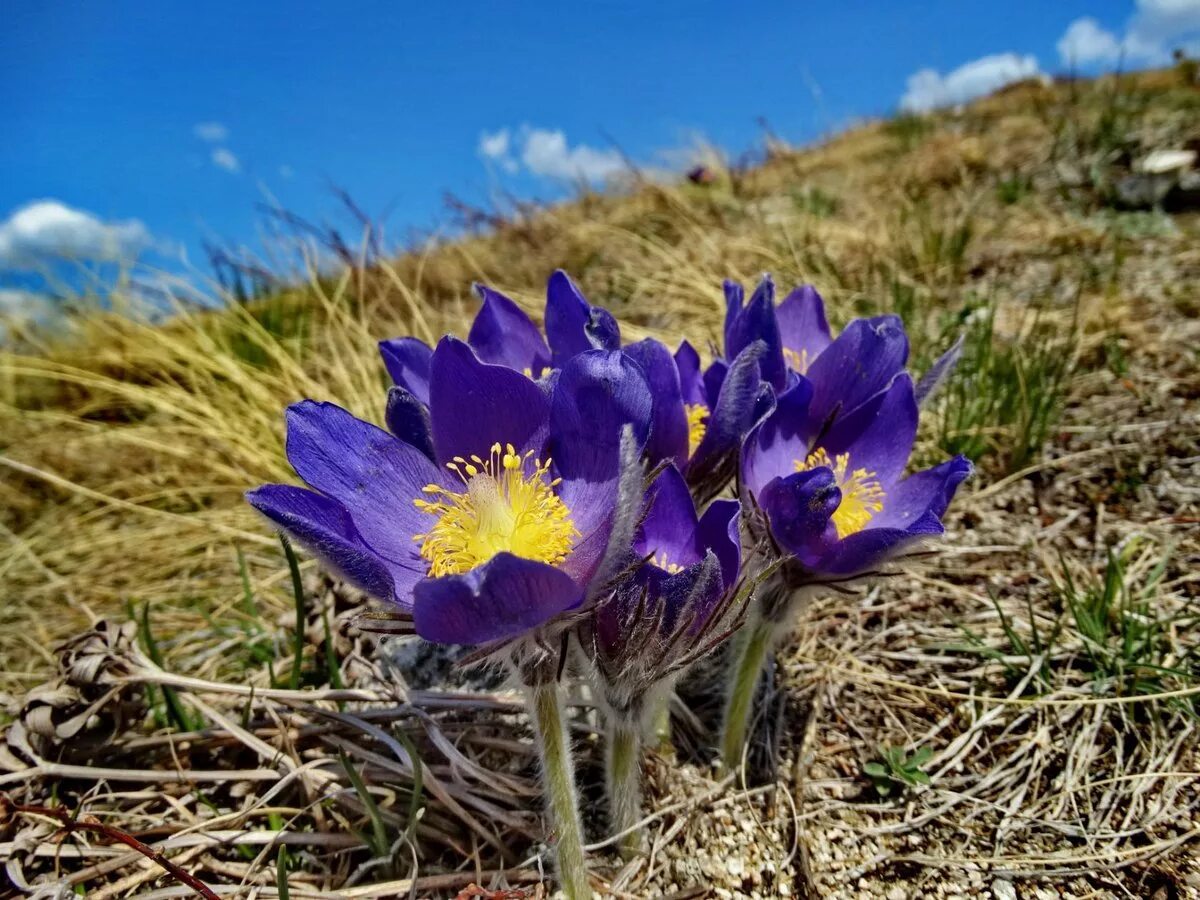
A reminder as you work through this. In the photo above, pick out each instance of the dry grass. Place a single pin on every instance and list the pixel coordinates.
(127, 445)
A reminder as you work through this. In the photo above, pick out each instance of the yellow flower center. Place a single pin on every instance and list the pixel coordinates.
(528, 372)
(862, 495)
(697, 419)
(660, 560)
(796, 359)
(503, 508)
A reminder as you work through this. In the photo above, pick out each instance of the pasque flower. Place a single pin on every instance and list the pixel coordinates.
(487, 517)
(493, 507)
(503, 334)
(823, 486)
(676, 605)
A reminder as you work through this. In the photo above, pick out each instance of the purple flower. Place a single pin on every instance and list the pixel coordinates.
(671, 608)
(504, 335)
(826, 470)
(485, 514)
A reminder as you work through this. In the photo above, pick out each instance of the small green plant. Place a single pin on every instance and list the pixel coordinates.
(895, 770)
(1007, 393)
(1128, 643)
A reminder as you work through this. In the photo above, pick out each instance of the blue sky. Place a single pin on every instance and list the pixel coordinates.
(156, 125)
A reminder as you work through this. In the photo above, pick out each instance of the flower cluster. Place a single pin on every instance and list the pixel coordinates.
(536, 492)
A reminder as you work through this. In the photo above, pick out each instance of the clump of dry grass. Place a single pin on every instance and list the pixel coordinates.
(127, 443)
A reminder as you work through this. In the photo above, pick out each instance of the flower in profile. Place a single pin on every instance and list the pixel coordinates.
(504, 335)
(662, 617)
(677, 605)
(485, 516)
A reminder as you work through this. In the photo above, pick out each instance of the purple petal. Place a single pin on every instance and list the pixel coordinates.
(372, 474)
(573, 325)
(691, 382)
(878, 434)
(669, 425)
(591, 504)
(668, 528)
(324, 528)
(408, 419)
(504, 335)
(912, 512)
(802, 323)
(774, 447)
(859, 364)
(939, 372)
(714, 380)
(756, 321)
(407, 361)
(475, 405)
(505, 597)
(799, 509)
(598, 392)
(717, 532)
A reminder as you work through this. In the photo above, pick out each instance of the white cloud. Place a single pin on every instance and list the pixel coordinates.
(211, 132)
(545, 153)
(1085, 41)
(929, 89)
(223, 158)
(46, 230)
(494, 147)
(1156, 28)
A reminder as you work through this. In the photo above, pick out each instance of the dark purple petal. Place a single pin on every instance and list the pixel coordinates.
(691, 382)
(744, 399)
(372, 474)
(597, 394)
(939, 372)
(669, 425)
(860, 363)
(879, 433)
(475, 405)
(504, 598)
(717, 532)
(755, 322)
(714, 380)
(799, 509)
(774, 447)
(573, 325)
(802, 323)
(668, 528)
(407, 361)
(324, 528)
(408, 419)
(735, 299)
(504, 335)
(912, 512)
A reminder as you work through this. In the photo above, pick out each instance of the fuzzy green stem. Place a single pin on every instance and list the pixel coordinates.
(749, 654)
(661, 720)
(625, 782)
(558, 780)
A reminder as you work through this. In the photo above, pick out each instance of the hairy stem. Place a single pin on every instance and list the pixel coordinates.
(624, 764)
(749, 653)
(558, 778)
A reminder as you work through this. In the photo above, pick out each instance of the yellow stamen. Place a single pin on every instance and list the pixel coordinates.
(697, 419)
(660, 560)
(862, 495)
(508, 504)
(529, 372)
(796, 359)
